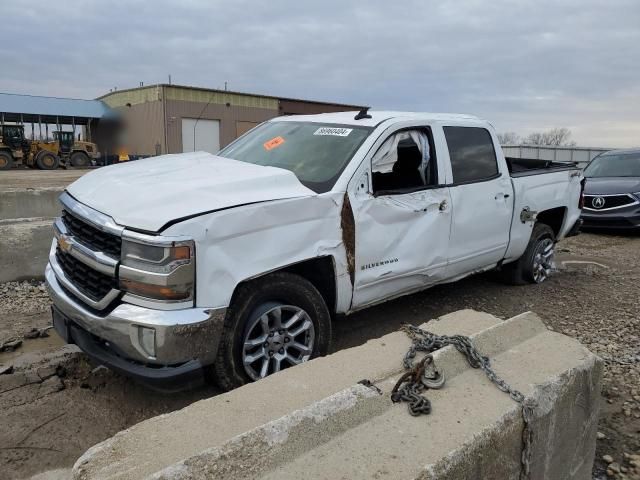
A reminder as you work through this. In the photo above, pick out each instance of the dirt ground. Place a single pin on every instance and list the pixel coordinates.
(55, 405)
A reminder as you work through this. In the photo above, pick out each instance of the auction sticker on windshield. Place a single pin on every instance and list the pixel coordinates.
(336, 132)
(273, 143)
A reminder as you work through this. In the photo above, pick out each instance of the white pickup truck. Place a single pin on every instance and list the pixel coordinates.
(232, 266)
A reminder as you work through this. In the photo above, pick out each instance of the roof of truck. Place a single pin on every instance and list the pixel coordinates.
(348, 118)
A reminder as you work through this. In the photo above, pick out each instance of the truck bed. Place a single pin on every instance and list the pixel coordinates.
(521, 167)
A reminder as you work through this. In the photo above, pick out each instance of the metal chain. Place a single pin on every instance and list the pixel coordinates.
(416, 380)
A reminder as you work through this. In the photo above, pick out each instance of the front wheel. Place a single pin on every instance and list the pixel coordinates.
(79, 159)
(274, 322)
(537, 261)
(47, 161)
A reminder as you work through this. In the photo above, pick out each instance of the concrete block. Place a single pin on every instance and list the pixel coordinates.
(24, 248)
(30, 203)
(314, 422)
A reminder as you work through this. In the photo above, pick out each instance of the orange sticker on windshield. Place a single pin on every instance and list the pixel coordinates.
(273, 143)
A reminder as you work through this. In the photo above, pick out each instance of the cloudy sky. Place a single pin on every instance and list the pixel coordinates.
(524, 65)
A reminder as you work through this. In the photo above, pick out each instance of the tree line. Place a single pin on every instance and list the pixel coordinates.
(556, 137)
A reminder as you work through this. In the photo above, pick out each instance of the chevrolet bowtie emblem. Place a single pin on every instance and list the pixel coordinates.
(64, 244)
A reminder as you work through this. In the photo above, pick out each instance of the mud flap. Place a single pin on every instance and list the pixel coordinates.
(61, 325)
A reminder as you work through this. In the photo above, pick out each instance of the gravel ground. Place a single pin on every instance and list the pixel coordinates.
(55, 407)
(23, 307)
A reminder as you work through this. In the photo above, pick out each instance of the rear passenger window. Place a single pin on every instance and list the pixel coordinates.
(472, 155)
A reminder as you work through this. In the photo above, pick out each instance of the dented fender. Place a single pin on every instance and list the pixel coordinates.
(275, 234)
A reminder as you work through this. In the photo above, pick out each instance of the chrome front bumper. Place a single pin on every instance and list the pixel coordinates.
(180, 335)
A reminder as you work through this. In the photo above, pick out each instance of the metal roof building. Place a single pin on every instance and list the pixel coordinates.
(166, 118)
(30, 108)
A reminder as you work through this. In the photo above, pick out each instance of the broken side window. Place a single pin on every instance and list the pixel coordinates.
(403, 163)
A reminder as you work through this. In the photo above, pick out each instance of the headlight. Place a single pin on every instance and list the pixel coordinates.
(164, 271)
(153, 258)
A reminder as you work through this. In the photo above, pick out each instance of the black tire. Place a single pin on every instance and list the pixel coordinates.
(523, 271)
(79, 159)
(6, 161)
(47, 161)
(285, 288)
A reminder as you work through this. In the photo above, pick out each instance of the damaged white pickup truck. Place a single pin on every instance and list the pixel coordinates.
(183, 267)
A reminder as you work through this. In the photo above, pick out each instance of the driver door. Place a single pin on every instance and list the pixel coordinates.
(402, 213)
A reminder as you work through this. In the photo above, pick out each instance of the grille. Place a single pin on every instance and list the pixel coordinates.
(92, 237)
(94, 285)
(609, 202)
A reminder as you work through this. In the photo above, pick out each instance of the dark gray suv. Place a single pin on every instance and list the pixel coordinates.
(612, 192)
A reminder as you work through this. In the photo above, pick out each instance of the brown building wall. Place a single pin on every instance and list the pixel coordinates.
(231, 118)
(143, 128)
(153, 115)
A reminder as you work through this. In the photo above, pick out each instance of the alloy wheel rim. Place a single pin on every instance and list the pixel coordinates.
(543, 260)
(278, 337)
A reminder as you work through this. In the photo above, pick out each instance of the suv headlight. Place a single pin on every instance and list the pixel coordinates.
(157, 268)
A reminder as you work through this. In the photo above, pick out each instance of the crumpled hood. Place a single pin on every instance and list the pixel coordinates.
(147, 194)
(611, 185)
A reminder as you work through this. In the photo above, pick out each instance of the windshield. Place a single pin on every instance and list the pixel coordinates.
(615, 165)
(316, 153)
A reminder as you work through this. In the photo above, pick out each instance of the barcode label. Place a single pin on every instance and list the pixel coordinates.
(336, 132)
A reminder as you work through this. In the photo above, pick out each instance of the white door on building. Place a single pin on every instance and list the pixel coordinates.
(200, 135)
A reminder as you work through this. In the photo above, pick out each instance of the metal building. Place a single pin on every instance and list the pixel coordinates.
(37, 114)
(165, 118)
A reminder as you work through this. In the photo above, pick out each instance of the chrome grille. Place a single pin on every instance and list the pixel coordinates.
(608, 202)
(91, 236)
(91, 283)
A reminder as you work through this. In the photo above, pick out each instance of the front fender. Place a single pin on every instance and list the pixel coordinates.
(245, 242)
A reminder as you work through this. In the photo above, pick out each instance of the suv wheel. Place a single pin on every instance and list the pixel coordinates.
(273, 323)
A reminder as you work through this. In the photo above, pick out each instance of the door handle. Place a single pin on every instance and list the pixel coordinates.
(504, 195)
(443, 205)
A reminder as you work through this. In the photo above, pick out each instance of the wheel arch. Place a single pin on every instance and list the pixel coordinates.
(554, 218)
(320, 271)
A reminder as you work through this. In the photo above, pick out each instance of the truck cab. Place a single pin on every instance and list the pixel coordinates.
(13, 145)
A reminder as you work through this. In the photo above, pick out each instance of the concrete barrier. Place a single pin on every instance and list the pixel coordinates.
(315, 421)
(30, 203)
(26, 216)
(24, 248)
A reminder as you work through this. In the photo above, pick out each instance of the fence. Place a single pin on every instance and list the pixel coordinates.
(581, 155)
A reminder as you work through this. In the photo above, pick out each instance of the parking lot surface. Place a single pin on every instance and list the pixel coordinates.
(56, 405)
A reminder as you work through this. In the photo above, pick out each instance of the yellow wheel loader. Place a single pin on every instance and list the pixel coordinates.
(16, 149)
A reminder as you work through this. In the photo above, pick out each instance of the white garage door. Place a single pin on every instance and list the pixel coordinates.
(200, 135)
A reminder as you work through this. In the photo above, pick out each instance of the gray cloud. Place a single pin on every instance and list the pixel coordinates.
(523, 65)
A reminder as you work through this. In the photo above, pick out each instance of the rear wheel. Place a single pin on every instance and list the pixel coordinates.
(47, 161)
(274, 323)
(79, 159)
(6, 161)
(537, 262)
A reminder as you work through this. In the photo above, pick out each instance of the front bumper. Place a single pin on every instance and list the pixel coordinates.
(185, 340)
(611, 220)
